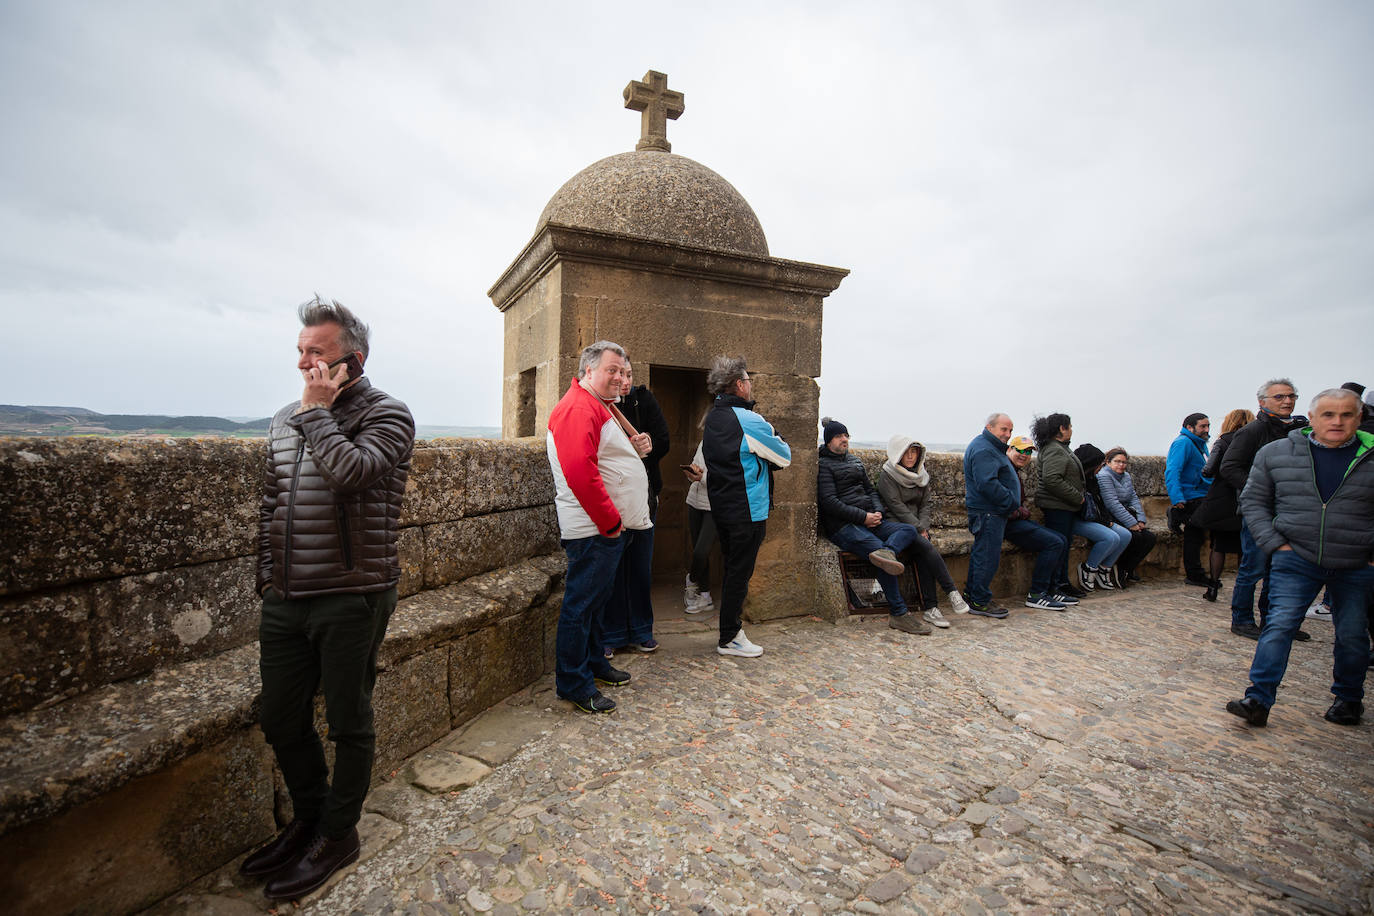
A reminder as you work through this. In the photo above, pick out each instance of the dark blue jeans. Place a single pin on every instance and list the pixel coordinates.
(988, 532)
(629, 616)
(1254, 565)
(592, 563)
(861, 541)
(1294, 583)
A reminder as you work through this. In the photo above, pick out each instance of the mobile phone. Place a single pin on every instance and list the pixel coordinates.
(685, 467)
(355, 368)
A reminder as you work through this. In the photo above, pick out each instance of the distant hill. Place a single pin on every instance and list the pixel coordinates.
(78, 421)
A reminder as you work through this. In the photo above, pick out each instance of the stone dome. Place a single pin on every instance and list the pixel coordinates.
(656, 195)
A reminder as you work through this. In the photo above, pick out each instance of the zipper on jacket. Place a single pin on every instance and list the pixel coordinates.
(290, 520)
(345, 544)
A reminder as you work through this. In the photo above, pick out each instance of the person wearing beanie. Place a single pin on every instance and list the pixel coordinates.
(1105, 576)
(904, 485)
(853, 517)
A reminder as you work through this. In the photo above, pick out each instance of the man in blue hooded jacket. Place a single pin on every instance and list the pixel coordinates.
(992, 496)
(1186, 485)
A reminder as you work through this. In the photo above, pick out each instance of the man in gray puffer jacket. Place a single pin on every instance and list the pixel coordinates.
(337, 462)
(1309, 501)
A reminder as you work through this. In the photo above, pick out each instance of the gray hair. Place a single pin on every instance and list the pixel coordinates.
(353, 333)
(725, 371)
(591, 356)
(1339, 394)
(992, 418)
(1264, 389)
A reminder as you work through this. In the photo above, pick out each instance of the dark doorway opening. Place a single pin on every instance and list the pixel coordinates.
(682, 395)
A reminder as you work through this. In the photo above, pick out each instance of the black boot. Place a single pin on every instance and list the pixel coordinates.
(1211, 593)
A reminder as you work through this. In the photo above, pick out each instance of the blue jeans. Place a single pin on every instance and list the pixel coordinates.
(988, 532)
(1294, 583)
(1254, 565)
(592, 563)
(861, 541)
(1107, 543)
(629, 616)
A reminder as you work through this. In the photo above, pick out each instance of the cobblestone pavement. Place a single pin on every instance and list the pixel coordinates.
(1053, 762)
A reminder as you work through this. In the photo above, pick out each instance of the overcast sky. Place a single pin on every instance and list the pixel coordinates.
(1124, 211)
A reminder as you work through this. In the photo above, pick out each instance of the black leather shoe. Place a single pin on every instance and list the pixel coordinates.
(1200, 580)
(1301, 636)
(1248, 630)
(281, 851)
(1343, 712)
(1211, 593)
(612, 677)
(1073, 591)
(321, 859)
(594, 703)
(1249, 710)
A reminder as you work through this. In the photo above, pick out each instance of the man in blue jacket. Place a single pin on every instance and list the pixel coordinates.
(1186, 485)
(741, 451)
(992, 496)
(1309, 503)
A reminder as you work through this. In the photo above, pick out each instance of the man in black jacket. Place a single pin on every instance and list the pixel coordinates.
(1310, 504)
(1273, 420)
(337, 462)
(851, 513)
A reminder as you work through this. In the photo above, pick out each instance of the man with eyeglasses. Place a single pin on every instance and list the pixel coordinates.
(992, 497)
(1273, 421)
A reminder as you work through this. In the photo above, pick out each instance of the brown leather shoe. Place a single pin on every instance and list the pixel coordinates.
(286, 846)
(322, 858)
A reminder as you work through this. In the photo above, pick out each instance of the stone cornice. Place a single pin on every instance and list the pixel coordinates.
(553, 243)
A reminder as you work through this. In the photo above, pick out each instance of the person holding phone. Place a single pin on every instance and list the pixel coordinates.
(337, 462)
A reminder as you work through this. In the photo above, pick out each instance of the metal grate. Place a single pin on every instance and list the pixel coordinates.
(863, 592)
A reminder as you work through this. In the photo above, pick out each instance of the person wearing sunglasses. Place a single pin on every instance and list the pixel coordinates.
(1273, 421)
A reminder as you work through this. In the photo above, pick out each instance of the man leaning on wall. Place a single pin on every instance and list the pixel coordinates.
(337, 462)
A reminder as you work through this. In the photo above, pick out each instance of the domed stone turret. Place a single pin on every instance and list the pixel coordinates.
(657, 195)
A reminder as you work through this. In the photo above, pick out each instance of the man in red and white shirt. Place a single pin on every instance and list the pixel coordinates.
(601, 490)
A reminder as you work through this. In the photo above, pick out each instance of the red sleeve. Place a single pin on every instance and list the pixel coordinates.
(577, 441)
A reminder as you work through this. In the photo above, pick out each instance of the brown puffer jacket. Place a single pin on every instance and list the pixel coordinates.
(332, 496)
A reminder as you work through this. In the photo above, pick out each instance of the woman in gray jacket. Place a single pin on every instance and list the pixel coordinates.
(904, 485)
(1125, 508)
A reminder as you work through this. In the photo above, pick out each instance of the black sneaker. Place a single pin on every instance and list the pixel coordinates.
(613, 677)
(1248, 630)
(1250, 710)
(987, 610)
(1069, 589)
(1344, 712)
(1301, 636)
(594, 703)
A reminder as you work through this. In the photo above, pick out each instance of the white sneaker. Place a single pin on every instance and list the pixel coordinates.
(957, 604)
(701, 603)
(936, 619)
(740, 646)
(1319, 611)
(689, 592)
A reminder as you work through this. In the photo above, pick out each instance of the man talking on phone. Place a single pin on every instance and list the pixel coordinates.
(337, 461)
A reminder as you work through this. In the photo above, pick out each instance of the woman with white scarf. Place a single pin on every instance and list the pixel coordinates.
(904, 485)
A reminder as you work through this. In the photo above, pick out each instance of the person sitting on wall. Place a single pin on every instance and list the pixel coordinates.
(1126, 509)
(992, 498)
(1060, 493)
(851, 515)
(904, 485)
(1105, 576)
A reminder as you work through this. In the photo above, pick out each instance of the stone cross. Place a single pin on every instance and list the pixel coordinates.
(657, 103)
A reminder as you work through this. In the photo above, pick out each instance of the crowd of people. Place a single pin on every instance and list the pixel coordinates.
(1293, 497)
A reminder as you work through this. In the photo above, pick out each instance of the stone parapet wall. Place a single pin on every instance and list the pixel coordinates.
(121, 557)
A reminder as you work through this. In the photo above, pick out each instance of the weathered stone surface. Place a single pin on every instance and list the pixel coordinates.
(434, 617)
(494, 662)
(53, 759)
(157, 619)
(440, 771)
(434, 489)
(410, 552)
(658, 195)
(501, 476)
(455, 551)
(132, 846)
(79, 508)
(516, 587)
(45, 649)
(410, 707)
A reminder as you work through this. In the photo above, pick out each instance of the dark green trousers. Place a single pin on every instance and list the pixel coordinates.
(328, 643)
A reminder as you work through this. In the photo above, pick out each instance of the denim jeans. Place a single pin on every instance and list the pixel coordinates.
(328, 642)
(592, 562)
(861, 541)
(1108, 544)
(930, 569)
(984, 556)
(1049, 547)
(1060, 521)
(1295, 582)
(1254, 565)
(629, 616)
